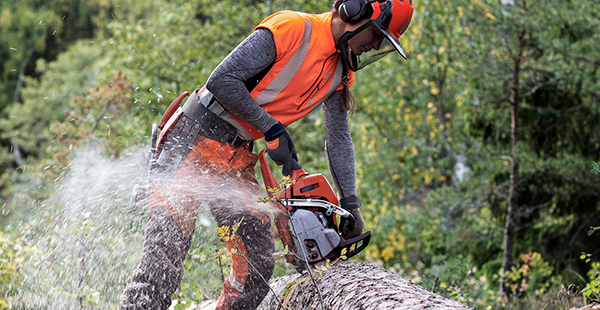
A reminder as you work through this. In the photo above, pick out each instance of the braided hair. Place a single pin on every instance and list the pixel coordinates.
(347, 102)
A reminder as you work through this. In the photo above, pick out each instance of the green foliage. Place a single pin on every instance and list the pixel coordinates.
(532, 277)
(432, 140)
(101, 113)
(45, 100)
(596, 168)
(591, 291)
(14, 253)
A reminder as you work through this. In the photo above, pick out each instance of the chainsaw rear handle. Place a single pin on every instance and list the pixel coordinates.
(297, 170)
(267, 174)
(350, 218)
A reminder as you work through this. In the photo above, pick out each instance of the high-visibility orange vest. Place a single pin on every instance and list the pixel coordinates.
(307, 69)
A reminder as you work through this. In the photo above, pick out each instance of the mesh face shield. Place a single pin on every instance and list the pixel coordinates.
(389, 43)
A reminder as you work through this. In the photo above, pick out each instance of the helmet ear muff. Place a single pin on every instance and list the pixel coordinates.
(353, 11)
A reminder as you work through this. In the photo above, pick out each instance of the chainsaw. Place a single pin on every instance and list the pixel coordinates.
(307, 224)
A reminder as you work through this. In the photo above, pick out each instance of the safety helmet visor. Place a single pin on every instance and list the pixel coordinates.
(390, 19)
(388, 44)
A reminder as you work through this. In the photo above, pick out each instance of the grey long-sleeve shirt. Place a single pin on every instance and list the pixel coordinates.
(251, 57)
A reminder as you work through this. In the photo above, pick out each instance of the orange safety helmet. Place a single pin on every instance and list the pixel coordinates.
(389, 17)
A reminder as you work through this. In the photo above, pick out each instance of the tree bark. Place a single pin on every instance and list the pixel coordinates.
(22, 68)
(353, 286)
(594, 306)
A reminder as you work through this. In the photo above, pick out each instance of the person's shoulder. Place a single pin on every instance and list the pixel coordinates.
(288, 20)
(287, 28)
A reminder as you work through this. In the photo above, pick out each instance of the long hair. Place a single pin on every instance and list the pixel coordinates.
(347, 102)
(335, 5)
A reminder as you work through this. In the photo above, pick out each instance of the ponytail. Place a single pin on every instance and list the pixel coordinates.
(347, 102)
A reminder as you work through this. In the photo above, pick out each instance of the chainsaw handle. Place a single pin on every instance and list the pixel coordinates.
(350, 218)
(267, 174)
(297, 170)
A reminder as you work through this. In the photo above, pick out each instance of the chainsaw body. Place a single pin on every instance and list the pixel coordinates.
(307, 223)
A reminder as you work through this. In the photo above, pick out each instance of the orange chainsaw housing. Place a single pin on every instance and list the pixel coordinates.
(314, 186)
(310, 193)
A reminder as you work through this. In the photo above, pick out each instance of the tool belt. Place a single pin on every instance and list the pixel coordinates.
(181, 125)
(200, 115)
(203, 109)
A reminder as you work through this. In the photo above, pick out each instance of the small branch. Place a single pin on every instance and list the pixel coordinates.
(24, 63)
(508, 49)
(259, 274)
(104, 109)
(532, 91)
(499, 194)
(582, 226)
(586, 59)
(16, 152)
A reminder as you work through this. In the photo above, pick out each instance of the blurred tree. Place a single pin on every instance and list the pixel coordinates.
(434, 142)
(33, 33)
(539, 122)
(408, 138)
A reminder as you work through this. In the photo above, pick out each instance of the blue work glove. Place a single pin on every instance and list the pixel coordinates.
(349, 227)
(281, 148)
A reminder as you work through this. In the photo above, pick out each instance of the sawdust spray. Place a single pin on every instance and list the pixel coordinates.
(88, 240)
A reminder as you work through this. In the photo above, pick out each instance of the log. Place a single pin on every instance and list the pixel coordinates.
(593, 306)
(353, 286)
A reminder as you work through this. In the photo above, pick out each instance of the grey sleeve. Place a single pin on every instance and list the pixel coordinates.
(339, 147)
(226, 82)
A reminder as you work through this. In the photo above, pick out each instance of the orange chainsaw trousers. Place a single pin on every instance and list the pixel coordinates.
(222, 177)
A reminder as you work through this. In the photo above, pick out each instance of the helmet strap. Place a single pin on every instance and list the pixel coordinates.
(342, 44)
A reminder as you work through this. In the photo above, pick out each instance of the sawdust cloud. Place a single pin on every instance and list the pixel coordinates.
(91, 240)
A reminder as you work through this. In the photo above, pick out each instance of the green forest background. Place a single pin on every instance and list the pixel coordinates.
(476, 157)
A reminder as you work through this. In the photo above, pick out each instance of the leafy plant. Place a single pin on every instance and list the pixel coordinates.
(591, 291)
(533, 277)
(14, 253)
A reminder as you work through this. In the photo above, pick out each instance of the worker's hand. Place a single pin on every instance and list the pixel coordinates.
(351, 228)
(281, 148)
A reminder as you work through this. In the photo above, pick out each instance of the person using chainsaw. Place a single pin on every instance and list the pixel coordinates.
(289, 66)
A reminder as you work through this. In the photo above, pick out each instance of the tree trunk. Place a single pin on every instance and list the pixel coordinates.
(353, 286)
(594, 306)
(509, 226)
